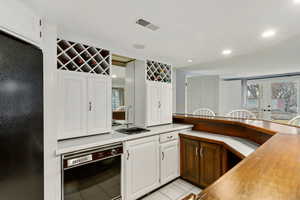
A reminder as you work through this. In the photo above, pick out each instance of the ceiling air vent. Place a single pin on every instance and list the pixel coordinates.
(147, 24)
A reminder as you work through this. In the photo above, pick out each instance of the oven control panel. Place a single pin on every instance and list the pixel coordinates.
(73, 160)
(80, 160)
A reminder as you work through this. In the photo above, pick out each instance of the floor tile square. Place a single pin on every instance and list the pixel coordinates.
(172, 191)
(156, 196)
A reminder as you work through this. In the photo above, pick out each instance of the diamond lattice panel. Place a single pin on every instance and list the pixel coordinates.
(157, 71)
(78, 57)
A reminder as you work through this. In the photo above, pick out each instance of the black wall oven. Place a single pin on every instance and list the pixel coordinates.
(93, 174)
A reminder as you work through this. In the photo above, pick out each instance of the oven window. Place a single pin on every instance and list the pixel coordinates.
(96, 181)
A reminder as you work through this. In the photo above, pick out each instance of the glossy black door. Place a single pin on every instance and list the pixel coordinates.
(95, 181)
(21, 120)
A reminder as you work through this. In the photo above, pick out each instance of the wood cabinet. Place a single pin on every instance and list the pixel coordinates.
(159, 103)
(210, 163)
(141, 167)
(201, 161)
(190, 160)
(84, 104)
(169, 165)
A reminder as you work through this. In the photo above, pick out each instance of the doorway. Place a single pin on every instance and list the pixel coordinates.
(274, 99)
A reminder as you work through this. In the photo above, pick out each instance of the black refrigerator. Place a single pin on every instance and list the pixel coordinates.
(21, 120)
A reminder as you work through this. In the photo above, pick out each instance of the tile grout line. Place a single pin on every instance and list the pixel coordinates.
(164, 195)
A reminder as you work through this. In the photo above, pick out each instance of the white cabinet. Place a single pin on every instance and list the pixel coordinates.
(73, 101)
(153, 93)
(169, 164)
(153, 103)
(166, 103)
(141, 167)
(99, 100)
(20, 20)
(84, 104)
(159, 103)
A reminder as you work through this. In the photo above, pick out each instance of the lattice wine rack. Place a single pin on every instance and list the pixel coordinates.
(72, 56)
(157, 71)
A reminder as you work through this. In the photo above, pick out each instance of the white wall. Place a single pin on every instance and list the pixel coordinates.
(19, 20)
(230, 96)
(203, 92)
(52, 162)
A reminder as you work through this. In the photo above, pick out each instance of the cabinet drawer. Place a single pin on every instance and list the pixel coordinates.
(168, 137)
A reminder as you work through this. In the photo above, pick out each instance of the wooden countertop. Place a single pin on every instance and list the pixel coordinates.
(272, 172)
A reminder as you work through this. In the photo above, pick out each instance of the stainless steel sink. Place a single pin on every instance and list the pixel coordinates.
(132, 130)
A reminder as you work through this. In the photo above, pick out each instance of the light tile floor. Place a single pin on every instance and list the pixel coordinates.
(175, 190)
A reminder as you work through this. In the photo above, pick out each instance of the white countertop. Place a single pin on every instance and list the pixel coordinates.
(71, 145)
(245, 147)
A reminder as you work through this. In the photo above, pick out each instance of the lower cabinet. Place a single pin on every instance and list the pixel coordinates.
(149, 164)
(201, 162)
(210, 163)
(169, 164)
(190, 160)
(141, 167)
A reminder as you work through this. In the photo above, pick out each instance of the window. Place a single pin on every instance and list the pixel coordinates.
(117, 98)
(284, 100)
(253, 95)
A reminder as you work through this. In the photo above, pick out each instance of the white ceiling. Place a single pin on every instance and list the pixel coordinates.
(189, 29)
(279, 59)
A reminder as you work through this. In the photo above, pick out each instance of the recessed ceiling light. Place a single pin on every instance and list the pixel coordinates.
(190, 60)
(297, 1)
(268, 33)
(114, 76)
(139, 46)
(226, 52)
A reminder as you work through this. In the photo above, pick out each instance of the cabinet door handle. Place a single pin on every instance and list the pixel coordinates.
(201, 151)
(163, 155)
(196, 151)
(90, 106)
(127, 154)
(159, 104)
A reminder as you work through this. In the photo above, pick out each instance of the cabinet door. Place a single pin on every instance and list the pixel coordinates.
(73, 101)
(169, 161)
(141, 167)
(153, 95)
(210, 163)
(165, 103)
(99, 104)
(190, 163)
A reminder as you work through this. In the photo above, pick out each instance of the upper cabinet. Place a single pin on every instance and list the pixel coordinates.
(84, 89)
(99, 102)
(18, 19)
(154, 93)
(72, 104)
(159, 103)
